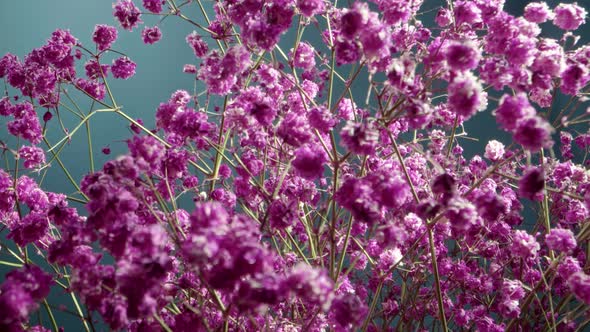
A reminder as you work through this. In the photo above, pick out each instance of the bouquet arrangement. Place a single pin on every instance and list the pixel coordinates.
(312, 184)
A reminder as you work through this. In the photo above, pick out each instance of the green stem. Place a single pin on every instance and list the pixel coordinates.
(441, 309)
(10, 264)
(51, 317)
(63, 167)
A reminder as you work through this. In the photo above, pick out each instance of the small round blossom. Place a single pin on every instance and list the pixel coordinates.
(349, 310)
(304, 56)
(569, 16)
(310, 8)
(361, 138)
(579, 283)
(443, 17)
(20, 293)
(309, 162)
(531, 183)
(461, 214)
(312, 285)
(511, 293)
(123, 68)
(154, 6)
(561, 239)
(189, 69)
(346, 109)
(151, 35)
(95, 70)
(128, 15)
(196, 42)
(512, 109)
(221, 72)
(6, 108)
(551, 59)
(533, 133)
(466, 96)
(93, 88)
(574, 78)
(521, 51)
(467, 12)
(524, 244)
(104, 36)
(494, 150)
(25, 124)
(32, 155)
(537, 12)
(462, 56)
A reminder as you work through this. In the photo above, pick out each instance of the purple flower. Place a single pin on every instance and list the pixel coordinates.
(151, 35)
(147, 152)
(348, 310)
(283, 214)
(462, 55)
(310, 8)
(154, 6)
(443, 17)
(128, 15)
(573, 78)
(21, 291)
(321, 119)
(6, 108)
(569, 16)
(294, 130)
(462, 214)
(32, 155)
(311, 285)
(104, 36)
(267, 289)
(304, 56)
(561, 239)
(358, 196)
(360, 138)
(512, 109)
(196, 42)
(25, 124)
(94, 70)
(93, 88)
(533, 133)
(537, 12)
(511, 293)
(123, 68)
(7, 62)
(309, 162)
(524, 245)
(494, 150)
(531, 183)
(466, 12)
(579, 284)
(221, 73)
(30, 229)
(189, 69)
(466, 95)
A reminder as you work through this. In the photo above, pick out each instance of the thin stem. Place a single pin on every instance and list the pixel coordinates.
(51, 317)
(441, 309)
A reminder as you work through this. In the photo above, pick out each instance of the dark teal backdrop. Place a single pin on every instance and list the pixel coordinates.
(26, 24)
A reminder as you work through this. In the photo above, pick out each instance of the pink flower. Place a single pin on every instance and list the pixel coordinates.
(151, 35)
(537, 12)
(128, 15)
(569, 16)
(123, 68)
(104, 36)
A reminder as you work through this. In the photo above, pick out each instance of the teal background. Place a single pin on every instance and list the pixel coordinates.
(26, 24)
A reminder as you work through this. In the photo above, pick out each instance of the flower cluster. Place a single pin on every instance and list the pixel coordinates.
(279, 197)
